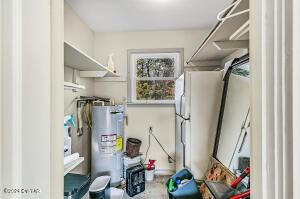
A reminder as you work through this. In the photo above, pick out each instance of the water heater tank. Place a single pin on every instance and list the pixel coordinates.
(107, 142)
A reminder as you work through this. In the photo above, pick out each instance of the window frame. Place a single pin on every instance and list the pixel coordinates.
(130, 80)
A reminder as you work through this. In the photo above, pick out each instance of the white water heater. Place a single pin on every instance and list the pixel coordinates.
(107, 142)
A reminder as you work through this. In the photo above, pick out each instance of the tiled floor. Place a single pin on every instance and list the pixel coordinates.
(154, 190)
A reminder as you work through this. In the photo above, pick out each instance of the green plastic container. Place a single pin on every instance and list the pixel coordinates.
(76, 186)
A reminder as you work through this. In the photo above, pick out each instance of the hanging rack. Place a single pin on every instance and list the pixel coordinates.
(222, 15)
(82, 100)
(222, 31)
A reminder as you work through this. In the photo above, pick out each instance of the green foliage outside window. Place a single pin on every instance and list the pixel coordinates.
(159, 69)
(155, 67)
(155, 90)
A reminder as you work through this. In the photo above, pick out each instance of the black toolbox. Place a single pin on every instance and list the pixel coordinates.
(135, 180)
(188, 190)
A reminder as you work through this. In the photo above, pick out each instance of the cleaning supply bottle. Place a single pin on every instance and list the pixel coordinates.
(110, 63)
(68, 122)
(69, 119)
(171, 185)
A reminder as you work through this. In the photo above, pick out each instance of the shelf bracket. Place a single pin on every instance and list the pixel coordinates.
(92, 73)
(230, 45)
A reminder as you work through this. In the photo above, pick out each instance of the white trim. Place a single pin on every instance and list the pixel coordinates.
(296, 96)
(12, 92)
(287, 62)
(57, 98)
(256, 106)
(271, 98)
(164, 172)
(16, 120)
(1, 90)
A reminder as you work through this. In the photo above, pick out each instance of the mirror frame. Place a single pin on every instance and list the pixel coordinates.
(235, 63)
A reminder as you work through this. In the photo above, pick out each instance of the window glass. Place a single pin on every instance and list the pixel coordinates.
(153, 75)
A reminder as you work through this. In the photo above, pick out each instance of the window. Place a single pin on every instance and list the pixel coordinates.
(152, 75)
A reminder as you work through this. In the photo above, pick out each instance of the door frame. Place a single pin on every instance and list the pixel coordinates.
(296, 95)
(57, 99)
(263, 161)
(13, 35)
(271, 52)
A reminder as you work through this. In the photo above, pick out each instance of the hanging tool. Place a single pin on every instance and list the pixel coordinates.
(87, 115)
(245, 173)
(234, 184)
(79, 120)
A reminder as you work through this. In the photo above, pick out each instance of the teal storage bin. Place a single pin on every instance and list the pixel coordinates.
(189, 190)
(76, 186)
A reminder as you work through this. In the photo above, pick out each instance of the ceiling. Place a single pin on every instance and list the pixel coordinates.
(143, 15)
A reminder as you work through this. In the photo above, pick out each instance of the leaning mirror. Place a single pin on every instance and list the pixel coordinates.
(232, 147)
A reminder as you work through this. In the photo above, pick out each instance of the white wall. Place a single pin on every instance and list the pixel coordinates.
(118, 43)
(80, 35)
(162, 118)
(77, 32)
(80, 144)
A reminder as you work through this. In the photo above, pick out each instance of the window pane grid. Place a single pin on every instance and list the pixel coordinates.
(153, 77)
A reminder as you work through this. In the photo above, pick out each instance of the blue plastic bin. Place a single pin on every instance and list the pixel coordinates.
(189, 190)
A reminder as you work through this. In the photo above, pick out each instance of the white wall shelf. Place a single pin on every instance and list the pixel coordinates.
(78, 60)
(72, 165)
(72, 86)
(222, 32)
